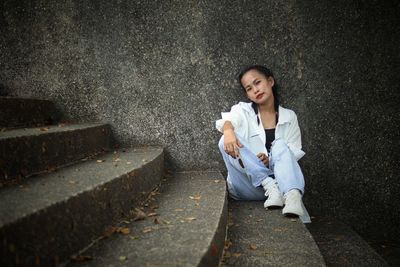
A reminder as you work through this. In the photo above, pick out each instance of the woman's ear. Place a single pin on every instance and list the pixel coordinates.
(271, 81)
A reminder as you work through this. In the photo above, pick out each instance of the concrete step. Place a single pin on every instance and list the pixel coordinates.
(259, 237)
(22, 112)
(341, 246)
(189, 229)
(48, 218)
(32, 150)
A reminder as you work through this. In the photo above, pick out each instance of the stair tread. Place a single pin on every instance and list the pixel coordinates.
(46, 190)
(262, 237)
(48, 129)
(191, 231)
(341, 246)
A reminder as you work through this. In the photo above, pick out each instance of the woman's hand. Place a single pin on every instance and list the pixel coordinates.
(231, 143)
(263, 158)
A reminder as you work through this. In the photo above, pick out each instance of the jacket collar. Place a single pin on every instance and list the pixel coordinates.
(284, 114)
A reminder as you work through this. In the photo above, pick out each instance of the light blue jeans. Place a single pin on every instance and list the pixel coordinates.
(245, 183)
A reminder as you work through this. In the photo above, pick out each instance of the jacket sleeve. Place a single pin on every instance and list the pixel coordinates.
(294, 138)
(235, 116)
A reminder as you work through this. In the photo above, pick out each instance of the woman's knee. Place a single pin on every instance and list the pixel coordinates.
(221, 144)
(279, 146)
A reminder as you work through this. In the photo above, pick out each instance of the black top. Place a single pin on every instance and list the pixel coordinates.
(269, 138)
(270, 135)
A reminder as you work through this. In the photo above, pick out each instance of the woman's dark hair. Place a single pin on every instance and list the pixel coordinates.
(268, 73)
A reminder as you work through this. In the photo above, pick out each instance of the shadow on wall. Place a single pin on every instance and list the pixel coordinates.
(4, 91)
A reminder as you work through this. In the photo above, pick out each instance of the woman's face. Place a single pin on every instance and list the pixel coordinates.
(258, 87)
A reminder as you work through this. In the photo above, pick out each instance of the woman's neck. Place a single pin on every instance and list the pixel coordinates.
(268, 107)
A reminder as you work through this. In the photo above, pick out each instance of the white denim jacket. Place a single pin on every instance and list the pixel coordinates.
(244, 121)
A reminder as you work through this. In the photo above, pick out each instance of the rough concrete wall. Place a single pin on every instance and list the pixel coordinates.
(351, 115)
(161, 72)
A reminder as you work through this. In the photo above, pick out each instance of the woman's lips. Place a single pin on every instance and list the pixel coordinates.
(259, 96)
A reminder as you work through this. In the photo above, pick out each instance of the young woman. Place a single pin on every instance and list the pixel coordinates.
(261, 145)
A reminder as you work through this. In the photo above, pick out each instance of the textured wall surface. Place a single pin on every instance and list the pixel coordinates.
(162, 71)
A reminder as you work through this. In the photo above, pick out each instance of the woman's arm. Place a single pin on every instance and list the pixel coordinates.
(231, 143)
(294, 138)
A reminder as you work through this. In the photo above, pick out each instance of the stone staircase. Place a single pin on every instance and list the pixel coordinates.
(69, 198)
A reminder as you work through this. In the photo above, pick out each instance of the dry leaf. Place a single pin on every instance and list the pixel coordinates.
(147, 229)
(61, 124)
(109, 231)
(228, 243)
(100, 160)
(44, 129)
(166, 222)
(338, 238)
(116, 159)
(72, 182)
(195, 197)
(227, 254)
(178, 209)
(152, 214)
(236, 255)
(123, 230)
(122, 258)
(217, 181)
(252, 247)
(128, 162)
(156, 221)
(190, 219)
(139, 215)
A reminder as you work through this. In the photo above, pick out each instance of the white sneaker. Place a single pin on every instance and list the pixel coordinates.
(293, 203)
(275, 198)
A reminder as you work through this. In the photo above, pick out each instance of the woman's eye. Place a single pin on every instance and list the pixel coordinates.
(248, 89)
(257, 82)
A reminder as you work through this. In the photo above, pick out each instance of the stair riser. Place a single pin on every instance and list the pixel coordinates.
(23, 156)
(26, 112)
(216, 250)
(80, 219)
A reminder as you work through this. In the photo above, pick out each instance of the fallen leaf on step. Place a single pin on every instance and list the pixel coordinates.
(252, 247)
(80, 258)
(72, 182)
(166, 222)
(190, 219)
(339, 237)
(195, 197)
(178, 210)
(123, 230)
(156, 221)
(122, 258)
(109, 231)
(100, 160)
(44, 129)
(228, 243)
(236, 255)
(61, 124)
(227, 254)
(217, 181)
(139, 215)
(116, 159)
(128, 162)
(147, 230)
(152, 214)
